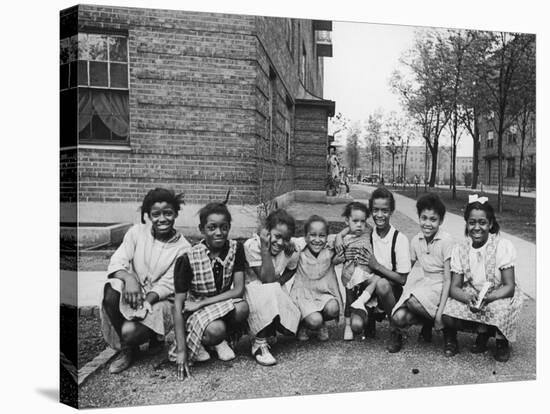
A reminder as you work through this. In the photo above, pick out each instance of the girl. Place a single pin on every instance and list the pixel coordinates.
(270, 267)
(424, 297)
(137, 296)
(209, 286)
(483, 258)
(315, 288)
(357, 278)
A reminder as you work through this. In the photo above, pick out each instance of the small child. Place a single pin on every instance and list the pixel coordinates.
(424, 297)
(357, 278)
(315, 289)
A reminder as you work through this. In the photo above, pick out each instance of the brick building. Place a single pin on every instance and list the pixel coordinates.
(511, 150)
(198, 102)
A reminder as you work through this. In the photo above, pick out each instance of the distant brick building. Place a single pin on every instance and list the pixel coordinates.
(511, 143)
(198, 102)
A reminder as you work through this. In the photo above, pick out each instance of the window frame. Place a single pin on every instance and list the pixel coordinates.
(88, 143)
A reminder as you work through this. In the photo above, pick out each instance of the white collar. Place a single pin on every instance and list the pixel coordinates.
(386, 238)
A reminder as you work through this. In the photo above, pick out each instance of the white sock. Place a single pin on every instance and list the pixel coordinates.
(361, 300)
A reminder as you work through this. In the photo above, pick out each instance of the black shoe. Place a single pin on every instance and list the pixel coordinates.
(426, 332)
(480, 345)
(451, 344)
(155, 345)
(502, 351)
(370, 328)
(396, 342)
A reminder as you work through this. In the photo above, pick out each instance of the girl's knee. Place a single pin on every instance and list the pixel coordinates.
(383, 287)
(357, 324)
(214, 333)
(241, 311)
(400, 318)
(128, 332)
(314, 320)
(331, 310)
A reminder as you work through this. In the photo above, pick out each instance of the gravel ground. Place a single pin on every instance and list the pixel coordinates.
(314, 368)
(90, 341)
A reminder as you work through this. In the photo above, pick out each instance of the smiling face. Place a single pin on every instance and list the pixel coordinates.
(429, 223)
(279, 236)
(215, 231)
(163, 217)
(316, 237)
(357, 222)
(381, 213)
(478, 226)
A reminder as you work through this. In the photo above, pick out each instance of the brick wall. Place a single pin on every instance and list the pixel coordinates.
(198, 99)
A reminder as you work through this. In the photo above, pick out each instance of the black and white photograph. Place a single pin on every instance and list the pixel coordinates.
(256, 206)
(269, 207)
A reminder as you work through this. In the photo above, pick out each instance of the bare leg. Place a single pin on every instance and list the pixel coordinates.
(134, 333)
(331, 310)
(313, 321)
(214, 333)
(416, 307)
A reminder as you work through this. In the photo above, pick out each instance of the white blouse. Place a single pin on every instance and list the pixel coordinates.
(505, 258)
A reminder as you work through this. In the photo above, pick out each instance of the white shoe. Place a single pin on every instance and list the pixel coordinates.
(302, 334)
(322, 334)
(225, 353)
(260, 351)
(202, 355)
(348, 333)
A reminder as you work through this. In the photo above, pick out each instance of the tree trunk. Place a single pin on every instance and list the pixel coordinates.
(393, 167)
(499, 152)
(475, 162)
(433, 172)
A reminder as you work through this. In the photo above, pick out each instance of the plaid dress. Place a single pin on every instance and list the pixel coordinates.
(502, 313)
(203, 285)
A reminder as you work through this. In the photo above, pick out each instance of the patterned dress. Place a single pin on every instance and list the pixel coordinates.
(152, 262)
(268, 301)
(198, 265)
(481, 265)
(315, 281)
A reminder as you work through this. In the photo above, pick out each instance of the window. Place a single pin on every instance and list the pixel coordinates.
(490, 139)
(510, 167)
(513, 134)
(287, 139)
(271, 106)
(303, 66)
(290, 36)
(94, 89)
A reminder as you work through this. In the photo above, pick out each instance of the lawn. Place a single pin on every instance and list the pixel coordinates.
(518, 216)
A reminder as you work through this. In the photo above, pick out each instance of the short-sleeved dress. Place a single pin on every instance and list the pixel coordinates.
(315, 281)
(200, 277)
(266, 301)
(478, 266)
(152, 261)
(426, 286)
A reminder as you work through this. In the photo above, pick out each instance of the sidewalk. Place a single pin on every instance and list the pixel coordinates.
(526, 262)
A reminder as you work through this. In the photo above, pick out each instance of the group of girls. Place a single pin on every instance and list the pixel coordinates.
(214, 291)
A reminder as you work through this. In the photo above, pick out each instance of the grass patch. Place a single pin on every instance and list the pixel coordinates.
(518, 215)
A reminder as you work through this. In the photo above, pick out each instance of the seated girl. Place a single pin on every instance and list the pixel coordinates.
(484, 296)
(137, 300)
(315, 288)
(424, 297)
(271, 265)
(209, 286)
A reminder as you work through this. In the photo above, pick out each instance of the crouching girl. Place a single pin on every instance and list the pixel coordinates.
(209, 286)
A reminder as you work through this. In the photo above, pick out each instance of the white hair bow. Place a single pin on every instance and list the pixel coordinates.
(474, 197)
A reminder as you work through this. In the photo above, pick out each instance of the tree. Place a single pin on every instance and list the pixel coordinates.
(498, 57)
(423, 93)
(373, 138)
(524, 103)
(353, 147)
(394, 129)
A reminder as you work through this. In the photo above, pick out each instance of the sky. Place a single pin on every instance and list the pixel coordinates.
(357, 76)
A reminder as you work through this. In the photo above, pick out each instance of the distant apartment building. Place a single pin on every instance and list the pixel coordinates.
(511, 154)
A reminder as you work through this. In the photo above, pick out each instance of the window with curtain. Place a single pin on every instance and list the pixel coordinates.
(94, 89)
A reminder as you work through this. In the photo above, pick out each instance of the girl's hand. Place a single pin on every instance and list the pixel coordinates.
(265, 239)
(182, 366)
(339, 244)
(438, 322)
(289, 248)
(191, 306)
(472, 300)
(132, 293)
